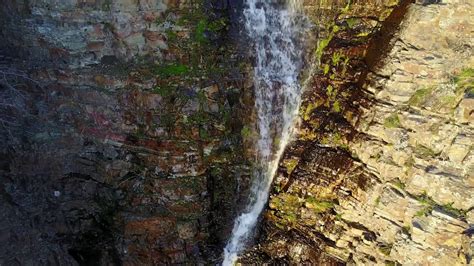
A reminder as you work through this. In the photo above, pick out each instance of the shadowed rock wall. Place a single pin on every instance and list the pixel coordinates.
(121, 132)
(81, 33)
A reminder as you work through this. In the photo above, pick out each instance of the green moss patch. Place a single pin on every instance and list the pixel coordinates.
(171, 70)
(287, 207)
(318, 206)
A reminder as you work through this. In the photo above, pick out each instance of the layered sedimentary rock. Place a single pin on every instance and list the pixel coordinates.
(81, 33)
(382, 169)
(122, 143)
(421, 136)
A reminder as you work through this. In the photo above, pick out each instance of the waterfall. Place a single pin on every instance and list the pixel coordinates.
(275, 28)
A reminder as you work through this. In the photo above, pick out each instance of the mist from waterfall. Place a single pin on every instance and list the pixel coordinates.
(275, 28)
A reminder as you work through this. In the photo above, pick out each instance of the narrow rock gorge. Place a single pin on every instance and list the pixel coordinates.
(128, 131)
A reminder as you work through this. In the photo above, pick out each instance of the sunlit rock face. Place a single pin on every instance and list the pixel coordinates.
(125, 143)
(426, 85)
(382, 169)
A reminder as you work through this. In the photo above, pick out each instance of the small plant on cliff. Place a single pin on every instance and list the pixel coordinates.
(424, 151)
(386, 249)
(290, 165)
(406, 230)
(338, 216)
(420, 96)
(336, 107)
(465, 81)
(428, 205)
(246, 132)
(323, 43)
(336, 58)
(318, 206)
(201, 30)
(351, 22)
(287, 207)
(330, 91)
(423, 212)
(410, 162)
(326, 69)
(399, 184)
(448, 208)
(392, 121)
(307, 111)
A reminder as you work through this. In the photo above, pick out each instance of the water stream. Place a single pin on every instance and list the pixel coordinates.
(275, 28)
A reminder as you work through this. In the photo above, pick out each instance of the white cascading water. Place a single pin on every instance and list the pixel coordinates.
(275, 28)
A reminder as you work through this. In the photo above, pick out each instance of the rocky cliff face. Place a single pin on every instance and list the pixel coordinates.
(381, 172)
(124, 137)
(121, 132)
(82, 33)
(420, 139)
